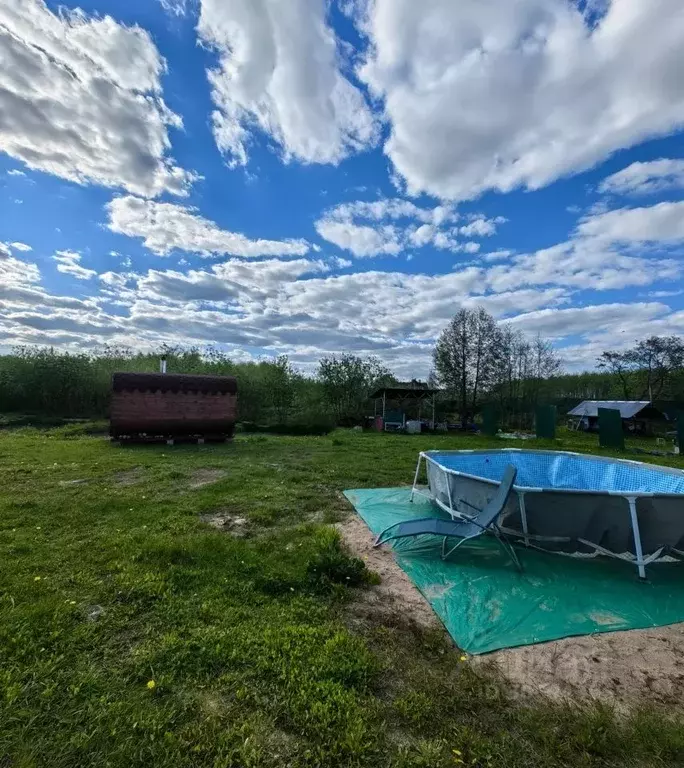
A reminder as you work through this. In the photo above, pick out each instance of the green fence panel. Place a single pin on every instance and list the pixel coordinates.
(611, 434)
(490, 421)
(545, 421)
(680, 431)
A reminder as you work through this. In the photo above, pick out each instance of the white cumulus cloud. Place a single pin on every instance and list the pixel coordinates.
(360, 240)
(14, 272)
(300, 307)
(481, 227)
(508, 93)
(69, 263)
(646, 178)
(591, 320)
(81, 98)
(167, 226)
(280, 71)
(662, 223)
(389, 226)
(227, 281)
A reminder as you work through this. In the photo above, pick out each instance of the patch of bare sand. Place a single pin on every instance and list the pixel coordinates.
(202, 477)
(619, 668)
(395, 600)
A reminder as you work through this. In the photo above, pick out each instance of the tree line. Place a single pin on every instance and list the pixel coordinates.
(479, 360)
(647, 370)
(272, 393)
(475, 361)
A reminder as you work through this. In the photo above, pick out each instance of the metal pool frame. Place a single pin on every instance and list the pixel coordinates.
(639, 560)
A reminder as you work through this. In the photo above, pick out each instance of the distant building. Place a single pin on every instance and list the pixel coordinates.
(637, 415)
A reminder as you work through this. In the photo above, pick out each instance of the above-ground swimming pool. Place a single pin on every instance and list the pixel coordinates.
(567, 502)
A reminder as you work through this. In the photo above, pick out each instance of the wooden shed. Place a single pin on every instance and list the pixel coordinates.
(172, 406)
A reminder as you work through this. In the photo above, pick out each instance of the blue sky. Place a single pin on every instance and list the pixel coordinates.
(310, 177)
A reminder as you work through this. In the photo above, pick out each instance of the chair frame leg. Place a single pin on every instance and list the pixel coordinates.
(507, 547)
(500, 537)
(446, 553)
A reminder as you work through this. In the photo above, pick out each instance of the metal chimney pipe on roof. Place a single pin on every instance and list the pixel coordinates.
(162, 364)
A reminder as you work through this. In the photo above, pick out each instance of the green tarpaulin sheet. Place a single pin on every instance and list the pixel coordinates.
(486, 604)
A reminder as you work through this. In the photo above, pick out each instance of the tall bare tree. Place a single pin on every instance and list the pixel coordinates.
(465, 357)
(476, 359)
(450, 358)
(545, 363)
(522, 369)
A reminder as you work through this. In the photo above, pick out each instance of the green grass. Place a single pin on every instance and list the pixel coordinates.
(106, 586)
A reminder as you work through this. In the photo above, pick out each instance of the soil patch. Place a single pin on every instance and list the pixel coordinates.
(226, 522)
(202, 477)
(129, 476)
(395, 600)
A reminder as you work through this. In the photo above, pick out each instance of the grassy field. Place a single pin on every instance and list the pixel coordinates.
(134, 634)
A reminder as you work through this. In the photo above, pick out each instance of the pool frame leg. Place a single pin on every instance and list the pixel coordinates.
(523, 517)
(415, 477)
(631, 500)
(448, 487)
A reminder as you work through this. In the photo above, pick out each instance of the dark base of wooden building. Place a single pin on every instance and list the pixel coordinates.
(171, 439)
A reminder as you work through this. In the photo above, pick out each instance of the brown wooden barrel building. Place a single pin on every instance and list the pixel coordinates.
(148, 406)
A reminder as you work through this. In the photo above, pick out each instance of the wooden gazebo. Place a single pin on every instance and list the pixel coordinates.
(390, 404)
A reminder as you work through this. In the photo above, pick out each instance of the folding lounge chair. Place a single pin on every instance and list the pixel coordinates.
(466, 529)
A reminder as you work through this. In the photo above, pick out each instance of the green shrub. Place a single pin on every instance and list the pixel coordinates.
(313, 425)
(313, 565)
(331, 565)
